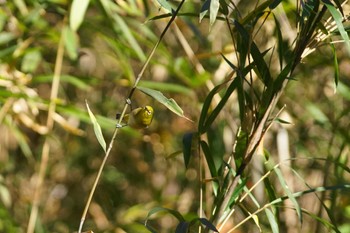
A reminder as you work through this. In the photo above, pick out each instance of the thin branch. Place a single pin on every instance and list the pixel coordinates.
(45, 154)
(87, 205)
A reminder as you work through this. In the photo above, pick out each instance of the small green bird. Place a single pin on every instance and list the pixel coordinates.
(139, 118)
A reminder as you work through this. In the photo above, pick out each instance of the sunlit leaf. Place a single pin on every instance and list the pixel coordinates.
(165, 4)
(70, 42)
(214, 9)
(338, 19)
(169, 103)
(256, 221)
(344, 90)
(97, 128)
(317, 113)
(272, 220)
(6, 37)
(5, 196)
(289, 193)
(31, 60)
(77, 13)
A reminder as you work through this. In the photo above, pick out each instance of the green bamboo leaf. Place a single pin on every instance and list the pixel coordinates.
(187, 147)
(21, 140)
(168, 87)
(280, 45)
(206, 106)
(77, 13)
(289, 193)
(158, 209)
(75, 81)
(344, 91)
(129, 37)
(336, 67)
(272, 220)
(224, 7)
(209, 158)
(281, 121)
(31, 60)
(182, 227)
(238, 190)
(274, 4)
(165, 4)
(70, 42)
(213, 115)
(317, 113)
(169, 103)
(338, 20)
(97, 128)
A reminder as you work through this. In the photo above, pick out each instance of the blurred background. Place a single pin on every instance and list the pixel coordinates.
(146, 167)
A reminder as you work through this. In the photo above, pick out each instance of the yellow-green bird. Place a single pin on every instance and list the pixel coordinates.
(139, 118)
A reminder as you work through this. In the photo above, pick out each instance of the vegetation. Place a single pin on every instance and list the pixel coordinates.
(251, 107)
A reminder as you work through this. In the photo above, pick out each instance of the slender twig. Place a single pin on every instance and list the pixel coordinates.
(139, 76)
(45, 154)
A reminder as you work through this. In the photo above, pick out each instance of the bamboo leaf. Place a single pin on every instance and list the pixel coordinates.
(77, 13)
(221, 104)
(31, 60)
(208, 224)
(168, 87)
(336, 68)
(338, 20)
(187, 147)
(209, 158)
(274, 4)
(70, 42)
(289, 193)
(158, 209)
(272, 220)
(129, 37)
(165, 4)
(280, 46)
(206, 106)
(214, 9)
(204, 9)
(169, 103)
(97, 128)
(182, 227)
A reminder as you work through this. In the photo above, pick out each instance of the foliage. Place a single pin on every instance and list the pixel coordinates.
(267, 145)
